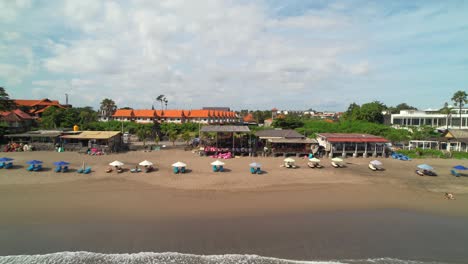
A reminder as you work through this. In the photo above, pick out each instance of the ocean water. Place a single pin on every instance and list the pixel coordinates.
(83, 257)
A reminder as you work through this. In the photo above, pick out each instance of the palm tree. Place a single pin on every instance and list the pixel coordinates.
(108, 108)
(161, 98)
(446, 110)
(460, 98)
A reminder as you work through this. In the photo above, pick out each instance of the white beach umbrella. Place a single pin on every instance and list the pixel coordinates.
(289, 160)
(116, 163)
(179, 164)
(314, 160)
(146, 163)
(337, 160)
(376, 163)
(217, 163)
(255, 165)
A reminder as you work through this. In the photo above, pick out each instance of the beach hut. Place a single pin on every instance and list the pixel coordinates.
(179, 167)
(6, 163)
(217, 165)
(255, 168)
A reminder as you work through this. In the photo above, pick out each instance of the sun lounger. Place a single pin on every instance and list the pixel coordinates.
(182, 169)
(65, 169)
(176, 170)
(429, 173)
(420, 173)
(58, 169)
(2, 165)
(38, 167)
(221, 168)
(454, 173)
(215, 168)
(372, 167)
(335, 165)
(253, 170)
(87, 170)
(119, 170)
(318, 166)
(259, 171)
(9, 165)
(30, 168)
(80, 170)
(311, 165)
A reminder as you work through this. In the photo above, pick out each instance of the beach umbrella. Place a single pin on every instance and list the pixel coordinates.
(5, 159)
(425, 167)
(217, 163)
(289, 160)
(337, 160)
(179, 164)
(255, 165)
(116, 163)
(34, 162)
(146, 163)
(460, 167)
(61, 163)
(315, 160)
(376, 163)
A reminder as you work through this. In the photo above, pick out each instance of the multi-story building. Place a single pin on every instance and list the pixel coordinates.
(37, 107)
(431, 118)
(176, 116)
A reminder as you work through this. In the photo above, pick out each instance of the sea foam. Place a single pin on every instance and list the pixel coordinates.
(83, 257)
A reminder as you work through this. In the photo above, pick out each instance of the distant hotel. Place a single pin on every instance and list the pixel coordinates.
(176, 116)
(431, 118)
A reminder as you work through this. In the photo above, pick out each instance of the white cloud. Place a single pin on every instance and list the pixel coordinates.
(9, 9)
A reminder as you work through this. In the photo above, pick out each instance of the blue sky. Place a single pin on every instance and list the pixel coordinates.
(243, 54)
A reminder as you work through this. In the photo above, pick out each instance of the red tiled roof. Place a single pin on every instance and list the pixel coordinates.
(198, 113)
(144, 113)
(249, 118)
(42, 102)
(22, 114)
(172, 113)
(123, 113)
(345, 137)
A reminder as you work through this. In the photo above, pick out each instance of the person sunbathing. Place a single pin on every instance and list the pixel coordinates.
(449, 196)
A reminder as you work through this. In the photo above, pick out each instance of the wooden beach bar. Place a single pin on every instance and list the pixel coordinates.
(351, 144)
(285, 142)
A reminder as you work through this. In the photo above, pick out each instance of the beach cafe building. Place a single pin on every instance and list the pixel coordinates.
(39, 140)
(234, 139)
(98, 141)
(285, 142)
(352, 144)
(456, 140)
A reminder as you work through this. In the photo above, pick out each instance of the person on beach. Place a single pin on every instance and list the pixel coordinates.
(449, 196)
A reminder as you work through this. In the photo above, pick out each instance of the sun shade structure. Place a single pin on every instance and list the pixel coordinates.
(5, 159)
(61, 163)
(146, 163)
(337, 160)
(217, 163)
(376, 163)
(255, 165)
(460, 167)
(34, 162)
(116, 163)
(315, 160)
(225, 129)
(425, 167)
(289, 160)
(179, 164)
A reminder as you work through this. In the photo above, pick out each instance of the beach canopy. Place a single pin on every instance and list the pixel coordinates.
(179, 164)
(314, 160)
(425, 167)
(376, 163)
(217, 163)
(116, 163)
(460, 167)
(61, 163)
(289, 160)
(146, 163)
(337, 160)
(34, 162)
(5, 159)
(255, 165)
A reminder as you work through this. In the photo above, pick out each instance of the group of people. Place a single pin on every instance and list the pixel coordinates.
(15, 147)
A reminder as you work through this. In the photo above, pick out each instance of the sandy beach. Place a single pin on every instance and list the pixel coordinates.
(282, 213)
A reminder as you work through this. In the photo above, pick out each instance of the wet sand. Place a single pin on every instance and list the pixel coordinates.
(296, 214)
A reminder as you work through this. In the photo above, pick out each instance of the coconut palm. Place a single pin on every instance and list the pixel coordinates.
(446, 110)
(460, 98)
(162, 99)
(108, 108)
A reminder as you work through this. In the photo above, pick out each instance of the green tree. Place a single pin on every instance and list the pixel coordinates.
(162, 99)
(86, 116)
(156, 139)
(173, 136)
(108, 108)
(186, 137)
(446, 110)
(52, 117)
(289, 122)
(142, 133)
(460, 99)
(399, 107)
(352, 113)
(372, 112)
(6, 103)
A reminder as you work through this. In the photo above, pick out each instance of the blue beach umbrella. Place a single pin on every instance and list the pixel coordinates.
(5, 159)
(61, 163)
(460, 167)
(34, 162)
(425, 167)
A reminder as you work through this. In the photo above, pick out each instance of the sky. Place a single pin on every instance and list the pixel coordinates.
(243, 54)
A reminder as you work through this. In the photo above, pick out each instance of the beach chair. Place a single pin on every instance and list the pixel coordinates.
(318, 166)
(253, 170)
(58, 169)
(65, 169)
(311, 165)
(87, 170)
(420, 173)
(2, 165)
(38, 167)
(182, 169)
(259, 171)
(119, 170)
(215, 168)
(9, 165)
(30, 168)
(372, 167)
(80, 170)
(108, 170)
(335, 165)
(454, 173)
(176, 170)
(221, 168)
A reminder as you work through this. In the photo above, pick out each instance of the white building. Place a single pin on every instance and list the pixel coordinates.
(431, 118)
